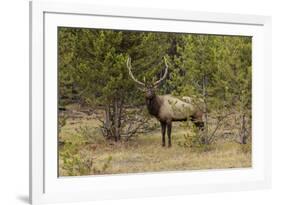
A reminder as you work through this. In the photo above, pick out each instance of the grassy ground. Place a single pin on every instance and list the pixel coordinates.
(83, 151)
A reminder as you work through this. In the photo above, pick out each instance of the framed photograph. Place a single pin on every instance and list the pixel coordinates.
(130, 102)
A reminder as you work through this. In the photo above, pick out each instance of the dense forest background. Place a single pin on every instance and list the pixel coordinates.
(94, 82)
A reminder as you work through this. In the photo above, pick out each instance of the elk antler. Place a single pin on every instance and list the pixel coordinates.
(129, 66)
(165, 74)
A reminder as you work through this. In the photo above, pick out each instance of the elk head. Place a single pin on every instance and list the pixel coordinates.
(147, 87)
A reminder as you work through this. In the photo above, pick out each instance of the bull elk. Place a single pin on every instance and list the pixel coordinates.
(167, 108)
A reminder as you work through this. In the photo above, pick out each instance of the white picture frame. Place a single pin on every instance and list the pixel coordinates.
(46, 186)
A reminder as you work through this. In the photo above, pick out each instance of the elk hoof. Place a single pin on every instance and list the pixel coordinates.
(163, 144)
(170, 145)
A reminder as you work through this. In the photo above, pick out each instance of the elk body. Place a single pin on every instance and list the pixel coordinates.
(167, 108)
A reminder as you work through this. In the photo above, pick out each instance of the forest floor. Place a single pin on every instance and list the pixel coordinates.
(83, 151)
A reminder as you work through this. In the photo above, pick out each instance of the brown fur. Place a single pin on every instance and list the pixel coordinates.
(153, 105)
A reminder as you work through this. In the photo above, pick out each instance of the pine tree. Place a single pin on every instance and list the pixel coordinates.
(99, 76)
(217, 70)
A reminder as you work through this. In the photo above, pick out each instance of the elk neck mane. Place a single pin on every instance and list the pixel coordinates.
(153, 105)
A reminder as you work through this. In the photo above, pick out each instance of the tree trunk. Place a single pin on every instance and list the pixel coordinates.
(205, 110)
(107, 121)
(120, 117)
(116, 121)
(243, 135)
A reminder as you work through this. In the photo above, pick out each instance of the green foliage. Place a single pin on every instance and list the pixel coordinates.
(62, 121)
(93, 72)
(70, 154)
(192, 140)
(82, 163)
(93, 62)
(223, 63)
(89, 134)
(76, 154)
(214, 69)
(75, 164)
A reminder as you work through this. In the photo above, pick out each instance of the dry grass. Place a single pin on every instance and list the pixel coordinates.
(142, 154)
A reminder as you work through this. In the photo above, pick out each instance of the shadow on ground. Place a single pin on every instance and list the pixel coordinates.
(23, 198)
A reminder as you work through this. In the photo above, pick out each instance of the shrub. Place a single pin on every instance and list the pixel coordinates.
(89, 134)
(75, 156)
(82, 163)
(193, 140)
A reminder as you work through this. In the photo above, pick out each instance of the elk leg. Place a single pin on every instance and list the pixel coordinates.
(163, 126)
(169, 127)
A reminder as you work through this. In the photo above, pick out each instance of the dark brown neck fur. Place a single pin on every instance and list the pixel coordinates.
(153, 105)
